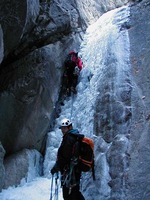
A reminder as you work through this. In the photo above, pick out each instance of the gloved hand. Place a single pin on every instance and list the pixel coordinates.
(74, 161)
(55, 169)
(76, 71)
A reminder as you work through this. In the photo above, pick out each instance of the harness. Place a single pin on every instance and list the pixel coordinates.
(68, 178)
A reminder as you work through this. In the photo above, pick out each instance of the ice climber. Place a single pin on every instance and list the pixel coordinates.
(70, 170)
(73, 65)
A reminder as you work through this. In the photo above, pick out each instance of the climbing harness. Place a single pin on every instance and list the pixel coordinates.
(68, 178)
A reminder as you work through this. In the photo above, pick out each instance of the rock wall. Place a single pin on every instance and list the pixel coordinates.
(29, 100)
(22, 167)
(17, 18)
(139, 171)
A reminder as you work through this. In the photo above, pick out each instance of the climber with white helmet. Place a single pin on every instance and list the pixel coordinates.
(70, 171)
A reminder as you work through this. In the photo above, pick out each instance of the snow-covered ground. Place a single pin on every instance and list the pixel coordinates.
(38, 189)
(79, 108)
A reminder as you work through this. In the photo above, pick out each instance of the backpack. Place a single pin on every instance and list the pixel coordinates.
(85, 153)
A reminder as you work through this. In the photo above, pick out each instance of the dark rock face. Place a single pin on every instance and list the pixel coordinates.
(30, 77)
(28, 102)
(17, 18)
(12, 22)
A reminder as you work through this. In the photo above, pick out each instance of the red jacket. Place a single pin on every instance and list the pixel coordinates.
(77, 60)
(79, 63)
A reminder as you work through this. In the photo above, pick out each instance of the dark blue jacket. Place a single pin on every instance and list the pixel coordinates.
(65, 151)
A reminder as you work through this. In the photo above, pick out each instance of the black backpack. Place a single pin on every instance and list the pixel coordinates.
(70, 63)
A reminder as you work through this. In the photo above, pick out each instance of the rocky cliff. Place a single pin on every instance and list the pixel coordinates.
(139, 171)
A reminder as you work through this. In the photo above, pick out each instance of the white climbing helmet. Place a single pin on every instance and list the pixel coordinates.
(65, 122)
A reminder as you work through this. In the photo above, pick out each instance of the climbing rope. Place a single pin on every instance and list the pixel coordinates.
(56, 187)
(51, 192)
(55, 195)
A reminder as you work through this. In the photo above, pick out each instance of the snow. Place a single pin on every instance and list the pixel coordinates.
(80, 109)
(38, 189)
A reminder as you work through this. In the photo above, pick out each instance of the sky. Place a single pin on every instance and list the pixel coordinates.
(94, 51)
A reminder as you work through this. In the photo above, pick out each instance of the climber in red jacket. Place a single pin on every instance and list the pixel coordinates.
(73, 65)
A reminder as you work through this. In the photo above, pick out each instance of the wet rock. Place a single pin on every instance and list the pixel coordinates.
(22, 167)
